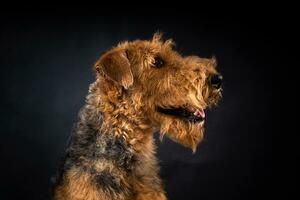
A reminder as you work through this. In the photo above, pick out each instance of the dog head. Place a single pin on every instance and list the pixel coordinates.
(169, 90)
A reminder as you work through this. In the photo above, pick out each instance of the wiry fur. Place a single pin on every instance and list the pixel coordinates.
(111, 155)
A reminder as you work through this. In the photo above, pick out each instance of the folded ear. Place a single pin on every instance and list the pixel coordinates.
(116, 66)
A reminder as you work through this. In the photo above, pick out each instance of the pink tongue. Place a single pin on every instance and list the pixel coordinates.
(201, 113)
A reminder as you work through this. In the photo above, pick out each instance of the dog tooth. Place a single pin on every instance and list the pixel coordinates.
(196, 112)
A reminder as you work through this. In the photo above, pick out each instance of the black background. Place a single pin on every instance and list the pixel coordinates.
(46, 68)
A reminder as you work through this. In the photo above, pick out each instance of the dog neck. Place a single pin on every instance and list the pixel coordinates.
(122, 116)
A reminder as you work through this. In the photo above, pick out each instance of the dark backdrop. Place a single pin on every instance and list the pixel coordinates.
(46, 68)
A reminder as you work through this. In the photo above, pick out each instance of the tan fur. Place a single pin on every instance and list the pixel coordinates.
(126, 92)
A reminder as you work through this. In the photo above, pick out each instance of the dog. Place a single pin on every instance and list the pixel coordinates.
(141, 87)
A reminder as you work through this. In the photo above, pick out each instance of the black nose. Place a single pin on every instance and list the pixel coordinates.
(216, 81)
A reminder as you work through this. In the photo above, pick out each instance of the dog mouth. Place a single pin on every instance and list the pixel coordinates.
(189, 114)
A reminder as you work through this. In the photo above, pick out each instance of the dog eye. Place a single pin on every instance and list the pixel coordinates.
(158, 62)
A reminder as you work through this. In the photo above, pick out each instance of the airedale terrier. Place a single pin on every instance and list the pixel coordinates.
(141, 87)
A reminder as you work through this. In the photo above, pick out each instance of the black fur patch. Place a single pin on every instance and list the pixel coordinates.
(118, 151)
(88, 144)
(108, 182)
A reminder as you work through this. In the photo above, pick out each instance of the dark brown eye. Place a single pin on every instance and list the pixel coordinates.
(158, 62)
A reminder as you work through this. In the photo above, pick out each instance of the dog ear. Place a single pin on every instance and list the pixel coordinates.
(116, 66)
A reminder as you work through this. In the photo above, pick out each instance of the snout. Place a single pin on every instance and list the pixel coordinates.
(216, 81)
